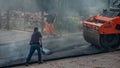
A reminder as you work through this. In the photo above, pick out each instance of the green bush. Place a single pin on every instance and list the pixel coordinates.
(68, 24)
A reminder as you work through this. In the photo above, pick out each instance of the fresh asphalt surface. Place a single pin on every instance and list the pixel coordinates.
(68, 45)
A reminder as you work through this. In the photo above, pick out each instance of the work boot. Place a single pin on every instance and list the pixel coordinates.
(40, 62)
(26, 64)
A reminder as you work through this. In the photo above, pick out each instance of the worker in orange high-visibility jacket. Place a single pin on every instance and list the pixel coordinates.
(50, 29)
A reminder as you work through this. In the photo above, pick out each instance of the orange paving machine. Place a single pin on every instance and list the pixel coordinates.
(103, 30)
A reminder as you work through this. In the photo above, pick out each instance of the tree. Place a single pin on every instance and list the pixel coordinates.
(8, 20)
(0, 21)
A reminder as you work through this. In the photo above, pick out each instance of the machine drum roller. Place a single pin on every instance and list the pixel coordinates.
(104, 30)
(91, 36)
(101, 32)
(110, 41)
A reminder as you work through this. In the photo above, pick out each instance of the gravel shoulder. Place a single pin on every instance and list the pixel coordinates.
(104, 60)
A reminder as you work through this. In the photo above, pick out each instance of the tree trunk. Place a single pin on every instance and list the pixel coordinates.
(8, 20)
(0, 21)
(42, 21)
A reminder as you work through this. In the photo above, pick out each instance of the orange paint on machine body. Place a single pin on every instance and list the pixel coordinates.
(111, 26)
(103, 30)
(103, 25)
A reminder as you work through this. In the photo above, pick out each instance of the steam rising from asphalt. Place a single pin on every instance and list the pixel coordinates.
(22, 5)
(65, 8)
(83, 7)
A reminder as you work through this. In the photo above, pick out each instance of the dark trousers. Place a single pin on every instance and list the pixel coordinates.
(32, 50)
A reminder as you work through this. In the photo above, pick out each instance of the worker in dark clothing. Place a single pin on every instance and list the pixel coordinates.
(35, 44)
(50, 29)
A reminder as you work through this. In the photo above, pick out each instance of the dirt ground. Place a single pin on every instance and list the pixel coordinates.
(105, 60)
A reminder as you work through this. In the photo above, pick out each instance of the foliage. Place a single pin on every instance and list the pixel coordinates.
(68, 24)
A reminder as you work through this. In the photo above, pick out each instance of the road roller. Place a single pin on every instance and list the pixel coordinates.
(103, 30)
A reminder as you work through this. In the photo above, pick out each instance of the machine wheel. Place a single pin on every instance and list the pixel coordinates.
(110, 42)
